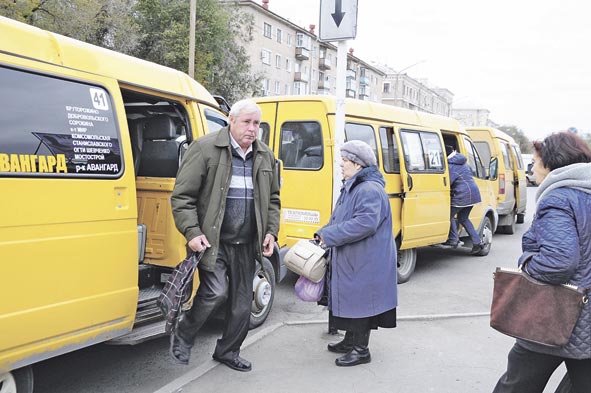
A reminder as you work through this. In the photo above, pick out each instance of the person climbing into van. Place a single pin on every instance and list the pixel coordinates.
(226, 199)
(464, 195)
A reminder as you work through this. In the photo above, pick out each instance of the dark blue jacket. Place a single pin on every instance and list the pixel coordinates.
(560, 241)
(363, 253)
(464, 191)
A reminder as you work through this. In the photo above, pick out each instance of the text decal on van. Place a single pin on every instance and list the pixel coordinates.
(51, 126)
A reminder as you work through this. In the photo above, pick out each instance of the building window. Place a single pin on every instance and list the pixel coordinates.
(289, 39)
(265, 85)
(288, 65)
(277, 87)
(286, 89)
(279, 36)
(298, 88)
(386, 87)
(266, 56)
(266, 30)
(278, 61)
(302, 40)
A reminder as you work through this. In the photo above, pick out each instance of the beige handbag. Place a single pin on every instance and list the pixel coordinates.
(307, 259)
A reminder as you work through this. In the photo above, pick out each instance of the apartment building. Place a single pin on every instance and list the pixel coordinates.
(290, 59)
(401, 90)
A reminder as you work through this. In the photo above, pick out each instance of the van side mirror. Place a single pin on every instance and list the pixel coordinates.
(493, 169)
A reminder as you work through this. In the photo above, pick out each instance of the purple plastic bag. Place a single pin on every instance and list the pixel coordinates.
(309, 291)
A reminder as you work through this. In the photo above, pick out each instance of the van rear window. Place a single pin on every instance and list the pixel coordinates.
(52, 127)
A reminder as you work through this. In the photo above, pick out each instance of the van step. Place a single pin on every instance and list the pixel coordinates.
(148, 294)
(140, 334)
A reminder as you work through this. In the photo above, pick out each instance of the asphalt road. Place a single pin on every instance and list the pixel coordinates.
(449, 282)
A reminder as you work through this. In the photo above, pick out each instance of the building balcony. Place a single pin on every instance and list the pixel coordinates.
(324, 85)
(351, 85)
(351, 74)
(324, 63)
(363, 80)
(364, 91)
(350, 93)
(302, 53)
(300, 77)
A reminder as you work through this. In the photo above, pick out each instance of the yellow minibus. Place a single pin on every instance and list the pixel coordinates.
(90, 143)
(511, 183)
(410, 149)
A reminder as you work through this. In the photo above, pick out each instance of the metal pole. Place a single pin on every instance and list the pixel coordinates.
(339, 131)
(192, 17)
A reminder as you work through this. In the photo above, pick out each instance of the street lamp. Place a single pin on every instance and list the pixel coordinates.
(398, 78)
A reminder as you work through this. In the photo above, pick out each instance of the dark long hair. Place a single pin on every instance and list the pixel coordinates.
(562, 149)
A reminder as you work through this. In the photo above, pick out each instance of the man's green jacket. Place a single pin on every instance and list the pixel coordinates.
(199, 196)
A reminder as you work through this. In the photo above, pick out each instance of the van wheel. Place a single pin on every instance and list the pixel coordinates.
(407, 260)
(263, 293)
(520, 218)
(486, 234)
(17, 381)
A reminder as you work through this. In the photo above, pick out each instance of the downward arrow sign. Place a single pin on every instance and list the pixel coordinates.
(338, 14)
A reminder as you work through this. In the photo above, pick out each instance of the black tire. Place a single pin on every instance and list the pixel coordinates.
(486, 234)
(263, 293)
(407, 260)
(17, 381)
(520, 218)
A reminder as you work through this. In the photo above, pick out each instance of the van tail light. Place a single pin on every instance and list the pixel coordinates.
(502, 183)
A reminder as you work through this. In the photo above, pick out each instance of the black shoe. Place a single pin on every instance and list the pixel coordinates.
(355, 356)
(477, 248)
(451, 244)
(343, 346)
(180, 350)
(237, 363)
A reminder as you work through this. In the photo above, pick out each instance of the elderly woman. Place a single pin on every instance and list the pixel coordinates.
(363, 276)
(559, 244)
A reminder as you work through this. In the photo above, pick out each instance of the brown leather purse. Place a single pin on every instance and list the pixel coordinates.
(525, 308)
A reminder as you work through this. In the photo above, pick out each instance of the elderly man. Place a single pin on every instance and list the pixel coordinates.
(226, 199)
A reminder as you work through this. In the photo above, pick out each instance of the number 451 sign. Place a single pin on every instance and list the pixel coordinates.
(338, 20)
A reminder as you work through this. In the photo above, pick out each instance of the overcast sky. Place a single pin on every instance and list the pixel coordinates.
(526, 61)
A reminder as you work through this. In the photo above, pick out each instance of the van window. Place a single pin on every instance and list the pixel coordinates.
(301, 145)
(484, 151)
(423, 151)
(518, 155)
(159, 130)
(264, 133)
(215, 121)
(56, 127)
(389, 150)
(505, 150)
(474, 160)
(361, 132)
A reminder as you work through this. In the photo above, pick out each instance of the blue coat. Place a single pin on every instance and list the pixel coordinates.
(464, 191)
(560, 241)
(363, 253)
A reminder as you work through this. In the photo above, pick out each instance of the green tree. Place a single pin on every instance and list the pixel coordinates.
(106, 23)
(522, 140)
(221, 64)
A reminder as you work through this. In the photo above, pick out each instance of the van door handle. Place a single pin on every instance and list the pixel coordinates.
(409, 180)
(444, 181)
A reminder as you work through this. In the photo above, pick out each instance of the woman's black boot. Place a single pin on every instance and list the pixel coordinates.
(359, 354)
(343, 346)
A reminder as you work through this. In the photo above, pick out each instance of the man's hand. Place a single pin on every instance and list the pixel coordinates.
(198, 243)
(268, 245)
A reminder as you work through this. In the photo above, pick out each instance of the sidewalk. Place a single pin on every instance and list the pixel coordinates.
(441, 354)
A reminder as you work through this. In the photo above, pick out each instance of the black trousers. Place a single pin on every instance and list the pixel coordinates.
(529, 372)
(229, 283)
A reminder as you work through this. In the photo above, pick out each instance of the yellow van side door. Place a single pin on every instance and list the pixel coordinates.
(426, 204)
(68, 235)
(300, 137)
